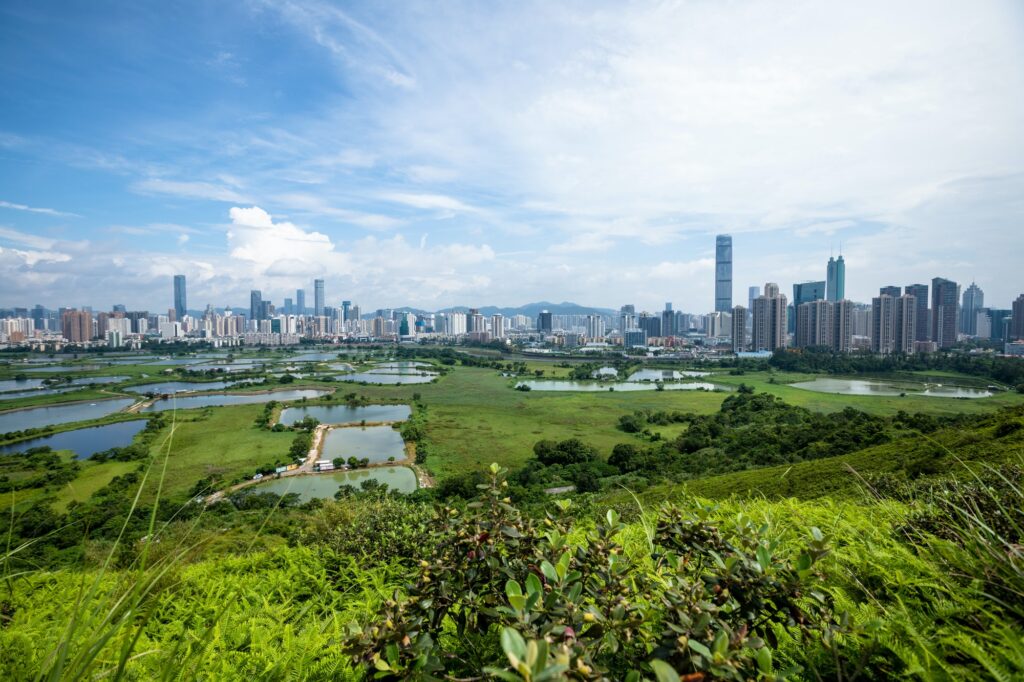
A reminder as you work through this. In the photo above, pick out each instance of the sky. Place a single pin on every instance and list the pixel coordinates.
(435, 154)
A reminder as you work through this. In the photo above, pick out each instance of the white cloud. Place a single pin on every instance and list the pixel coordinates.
(428, 201)
(34, 209)
(188, 190)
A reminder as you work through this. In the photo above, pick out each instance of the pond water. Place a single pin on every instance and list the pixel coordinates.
(62, 368)
(605, 373)
(314, 357)
(663, 374)
(85, 381)
(387, 378)
(343, 414)
(14, 395)
(178, 386)
(542, 385)
(404, 365)
(377, 443)
(84, 442)
(342, 367)
(35, 417)
(402, 479)
(221, 399)
(13, 385)
(233, 367)
(888, 388)
(178, 361)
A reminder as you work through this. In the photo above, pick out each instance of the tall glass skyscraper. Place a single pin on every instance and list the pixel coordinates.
(723, 274)
(945, 311)
(180, 306)
(255, 304)
(923, 329)
(300, 301)
(971, 304)
(835, 279)
(318, 297)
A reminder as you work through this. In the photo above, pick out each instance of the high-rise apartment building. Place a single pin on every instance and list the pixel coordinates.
(180, 305)
(945, 295)
(498, 326)
(318, 297)
(77, 326)
(255, 304)
(1017, 319)
(723, 273)
(842, 326)
(595, 328)
(835, 278)
(769, 331)
(905, 325)
(739, 329)
(920, 294)
(883, 319)
(889, 291)
(814, 324)
(973, 300)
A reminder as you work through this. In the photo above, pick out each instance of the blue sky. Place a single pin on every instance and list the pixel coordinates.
(436, 154)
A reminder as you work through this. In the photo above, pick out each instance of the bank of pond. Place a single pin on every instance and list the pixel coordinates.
(346, 414)
(324, 486)
(52, 415)
(221, 399)
(882, 387)
(595, 386)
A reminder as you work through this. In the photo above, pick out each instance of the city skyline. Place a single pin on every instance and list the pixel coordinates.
(602, 153)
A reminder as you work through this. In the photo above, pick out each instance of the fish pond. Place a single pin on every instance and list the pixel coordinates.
(375, 443)
(220, 399)
(37, 417)
(323, 486)
(881, 387)
(84, 442)
(343, 414)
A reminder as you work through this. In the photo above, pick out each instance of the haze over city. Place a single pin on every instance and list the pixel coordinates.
(430, 156)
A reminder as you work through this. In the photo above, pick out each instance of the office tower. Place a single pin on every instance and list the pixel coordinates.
(883, 319)
(769, 332)
(739, 329)
(814, 325)
(905, 324)
(723, 273)
(920, 294)
(634, 338)
(180, 307)
(889, 291)
(318, 297)
(266, 310)
(289, 307)
(255, 304)
(973, 301)
(835, 278)
(944, 312)
(544, 322)
(346, 311)
(300, 301)
(651, 324)
(76, 326)
(998, 319)
(668, 321)
(807, 292)
(119, 308)
(842, 326)
(1017, 320)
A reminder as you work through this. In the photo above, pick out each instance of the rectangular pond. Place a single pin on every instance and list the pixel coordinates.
(386, 379)
(890, 388)
(24, 385)
(343, 414)
(663, 375)
(592, 386)
(220, 399)
(84, 442)
(178, 386)
(323, 486)
(375, 443)
(36, 417)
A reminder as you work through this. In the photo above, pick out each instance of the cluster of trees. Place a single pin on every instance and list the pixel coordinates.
(1009, 371)
(264, 417)
(35, 468)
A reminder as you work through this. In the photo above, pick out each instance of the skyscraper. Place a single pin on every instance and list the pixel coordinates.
(180, 306)
(668, 321)
(1017, 319)
(255, 304)
(769, 331)
(944, 312)
(739, 329)
(723, 273)
(318, 297)
(973, 301)
(835, 278)
(806, 292)
(300, 301)
(883, 321)
(889, 291)
(544, 322)
(346, 311)
(905, 325)
(922, 324)
(842, 326)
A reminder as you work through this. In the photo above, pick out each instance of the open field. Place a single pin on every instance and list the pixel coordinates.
(94, 476)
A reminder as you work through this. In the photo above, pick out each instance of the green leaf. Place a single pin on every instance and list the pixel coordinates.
(763, 558)
(514, 646)
(533, 585)
(700, 649)
(816, 534)
(764, 660)
(663, 671)
(721, 643)
(549, 571)
(512, 588)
